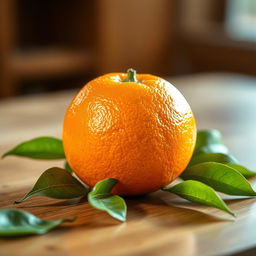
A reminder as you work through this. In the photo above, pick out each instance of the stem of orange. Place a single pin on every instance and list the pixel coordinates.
(131, 76)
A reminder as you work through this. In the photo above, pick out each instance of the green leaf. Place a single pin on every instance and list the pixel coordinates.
(101, 198)
(39, 148)
(56, 183)
(220, 177)
(68, 168)
(208, 137)
(212, 157)
(243, 170)
(200, 193)
(19, 223)
(213, 148)
(209, 141)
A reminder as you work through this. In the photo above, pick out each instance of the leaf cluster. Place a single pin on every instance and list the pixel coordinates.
(211, 169)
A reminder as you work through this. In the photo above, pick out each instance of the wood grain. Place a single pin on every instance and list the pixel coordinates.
(159, 223)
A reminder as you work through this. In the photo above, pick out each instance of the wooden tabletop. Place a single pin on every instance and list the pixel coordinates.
(158, 224)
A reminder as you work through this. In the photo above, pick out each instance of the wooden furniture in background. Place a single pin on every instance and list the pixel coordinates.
(57, 39)
(203, 42)
(46, 40)
(40, 40)
(157, 224)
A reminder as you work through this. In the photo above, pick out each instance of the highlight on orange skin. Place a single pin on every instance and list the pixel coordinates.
(142, 133)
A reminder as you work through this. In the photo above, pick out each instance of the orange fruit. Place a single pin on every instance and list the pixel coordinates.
(138, 129)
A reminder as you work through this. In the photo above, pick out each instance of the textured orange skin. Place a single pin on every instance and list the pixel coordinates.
(142, 134)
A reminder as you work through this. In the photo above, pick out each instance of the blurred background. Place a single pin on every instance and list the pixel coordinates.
(54, 45)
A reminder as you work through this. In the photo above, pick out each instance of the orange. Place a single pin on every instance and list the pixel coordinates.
(138, 129)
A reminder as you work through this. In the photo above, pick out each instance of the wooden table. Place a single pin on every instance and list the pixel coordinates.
(158, 224)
